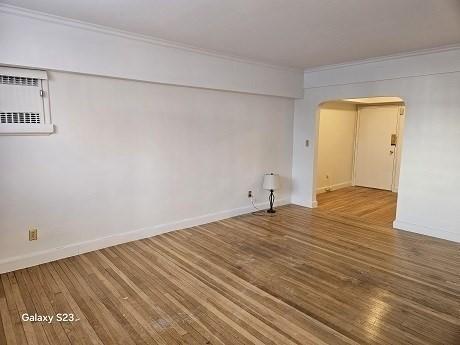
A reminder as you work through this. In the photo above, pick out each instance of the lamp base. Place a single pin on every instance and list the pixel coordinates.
(271, 199)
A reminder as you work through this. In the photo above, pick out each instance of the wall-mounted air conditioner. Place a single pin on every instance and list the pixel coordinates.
(24, 102)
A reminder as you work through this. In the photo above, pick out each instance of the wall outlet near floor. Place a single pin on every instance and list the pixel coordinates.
(250, 194)
(33, 234)
(328, 189)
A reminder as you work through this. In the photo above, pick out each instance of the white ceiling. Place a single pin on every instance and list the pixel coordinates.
(294, 33)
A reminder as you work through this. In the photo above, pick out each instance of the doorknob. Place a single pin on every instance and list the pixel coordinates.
(391, 152)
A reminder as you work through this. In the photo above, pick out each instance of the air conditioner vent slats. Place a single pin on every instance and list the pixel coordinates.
(24, 102)
(12, 80)
(20, 117)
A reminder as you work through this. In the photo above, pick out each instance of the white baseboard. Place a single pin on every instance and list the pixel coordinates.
(426, 230)
(23, 261)
(333, 187)
(305, 203)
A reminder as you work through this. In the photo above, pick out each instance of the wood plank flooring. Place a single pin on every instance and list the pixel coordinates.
(300, 277)
(367, 204)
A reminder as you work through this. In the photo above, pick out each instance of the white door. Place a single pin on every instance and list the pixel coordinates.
(375, 154)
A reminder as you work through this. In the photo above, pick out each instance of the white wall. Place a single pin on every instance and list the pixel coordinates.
(132, 159)
(337, 123)
(136, 157)
(428, 198)
(52, 43)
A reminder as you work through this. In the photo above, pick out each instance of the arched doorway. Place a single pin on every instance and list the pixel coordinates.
(358, 157)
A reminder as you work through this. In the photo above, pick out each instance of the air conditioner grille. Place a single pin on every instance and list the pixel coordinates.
(20, 118)
(11, 80)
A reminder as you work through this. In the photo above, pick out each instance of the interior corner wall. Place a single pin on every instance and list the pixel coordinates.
(337, 123)
(133, 159)
(429, 181)
(145, 142)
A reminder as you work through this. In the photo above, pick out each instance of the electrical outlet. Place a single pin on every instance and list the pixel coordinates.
(250, 194)
(33, 234)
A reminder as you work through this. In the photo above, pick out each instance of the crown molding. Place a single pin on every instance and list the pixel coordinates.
(19, 11)
(6, 8)
(383, 58)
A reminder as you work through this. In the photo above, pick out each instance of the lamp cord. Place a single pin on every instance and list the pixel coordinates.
(260, 212)
(253, 205)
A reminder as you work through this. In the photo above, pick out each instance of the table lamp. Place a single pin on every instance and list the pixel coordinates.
(271, 183)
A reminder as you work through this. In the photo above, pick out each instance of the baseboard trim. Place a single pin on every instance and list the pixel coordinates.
(426, 230)
(37, 258)
(333, 187)
(309, 204)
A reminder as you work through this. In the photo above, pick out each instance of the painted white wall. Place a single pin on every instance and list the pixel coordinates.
(337, 122)
(53, 43)
(132, 159)
(429, 181)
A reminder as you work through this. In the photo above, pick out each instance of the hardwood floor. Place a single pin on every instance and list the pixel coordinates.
(367, 204)
(300, 277)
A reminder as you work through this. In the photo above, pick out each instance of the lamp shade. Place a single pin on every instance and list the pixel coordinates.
(271, 181)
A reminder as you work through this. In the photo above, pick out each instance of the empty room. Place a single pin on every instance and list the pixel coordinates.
(229, 172)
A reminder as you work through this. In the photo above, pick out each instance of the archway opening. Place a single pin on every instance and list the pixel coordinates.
(358, 157)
